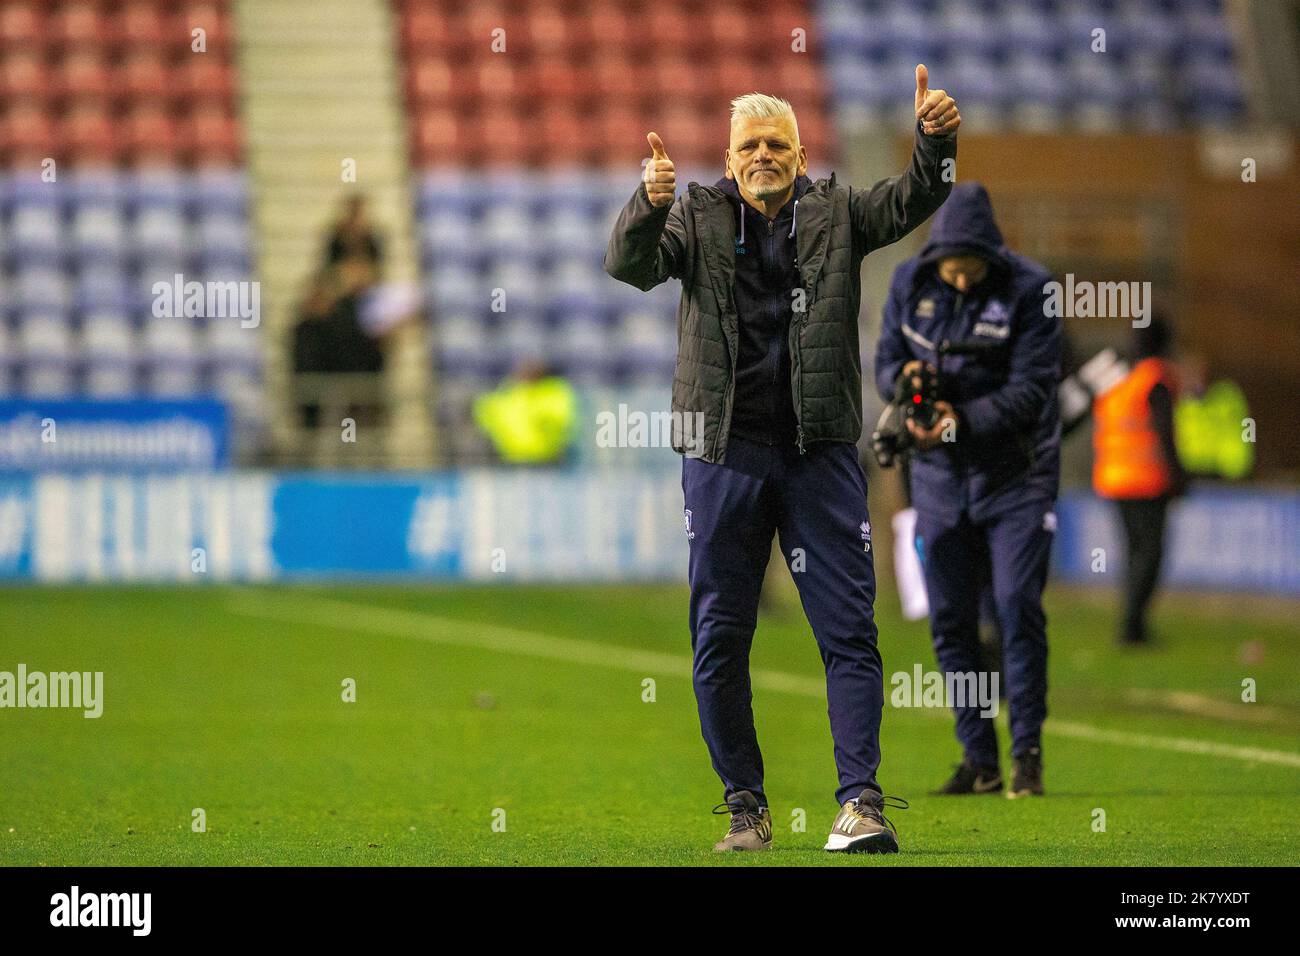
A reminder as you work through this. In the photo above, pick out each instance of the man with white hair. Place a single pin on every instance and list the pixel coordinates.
(768, 361)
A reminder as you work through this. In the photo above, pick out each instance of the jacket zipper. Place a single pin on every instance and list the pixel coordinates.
(797, 353)
(953, 324)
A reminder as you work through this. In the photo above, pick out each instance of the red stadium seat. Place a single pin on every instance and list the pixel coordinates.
(149, 131)
(505, 140)
(141, 23)
(427, 30)
(210, 136)
(89, 135)
(613, 30)
(80, 24)
(204, 79)
(443, 138)
(620, 137)
(497, 80)
(568, 139)
(674, 71)
(29, 134)
(24, 75)
(210, 16)
(616, 81)
(21, 25)
(695, 136)
(729, 32)
(477, 25)
(83, 74)
(430, 81)
(734, 78)
(143, 74)
(671, 31)
(566, 58)
(560, 85)
(798, 79)
(550, 34)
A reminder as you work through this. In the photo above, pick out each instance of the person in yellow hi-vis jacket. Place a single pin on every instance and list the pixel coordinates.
(530, 418)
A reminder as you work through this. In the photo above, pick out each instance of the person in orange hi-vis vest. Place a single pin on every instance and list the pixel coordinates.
(1136, 466)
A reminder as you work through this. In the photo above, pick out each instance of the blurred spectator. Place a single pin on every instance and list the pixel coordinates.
(1137, 466)
(354, 236)
(530, 418)
(329, 336)
(1210, 422)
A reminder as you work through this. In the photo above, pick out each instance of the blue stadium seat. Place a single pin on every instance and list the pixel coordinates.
(98, 233)
(219, 190)
(161, 233)
(41, 288)
(162, 187)
(37, 235)
(107, 335)
(103, 287)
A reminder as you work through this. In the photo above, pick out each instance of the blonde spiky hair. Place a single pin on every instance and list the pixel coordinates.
(762, 106)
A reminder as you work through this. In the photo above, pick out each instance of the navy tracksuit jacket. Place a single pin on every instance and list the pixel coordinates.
(985, 502)
(815, 503)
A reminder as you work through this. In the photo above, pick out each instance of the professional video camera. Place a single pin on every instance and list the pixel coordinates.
(915, 395)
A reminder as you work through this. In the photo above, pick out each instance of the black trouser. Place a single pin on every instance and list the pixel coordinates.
(1144, 527)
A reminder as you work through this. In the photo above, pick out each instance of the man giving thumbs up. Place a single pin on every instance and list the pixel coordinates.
(768, 378)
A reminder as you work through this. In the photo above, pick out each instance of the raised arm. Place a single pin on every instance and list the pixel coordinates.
(648, 243)
(894, 207)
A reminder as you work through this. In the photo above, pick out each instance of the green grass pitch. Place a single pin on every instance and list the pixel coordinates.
(524, 705)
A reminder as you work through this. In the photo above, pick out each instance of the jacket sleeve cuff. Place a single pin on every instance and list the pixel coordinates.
(933, 138)
(885, 379)
(647, 207)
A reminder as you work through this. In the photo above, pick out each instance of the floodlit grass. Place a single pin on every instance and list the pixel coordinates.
(230, 700)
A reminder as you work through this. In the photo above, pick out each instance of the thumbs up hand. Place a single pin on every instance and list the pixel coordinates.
(660, 177)
(936, 110)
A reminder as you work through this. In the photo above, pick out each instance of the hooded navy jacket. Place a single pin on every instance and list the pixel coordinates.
(1009, 432)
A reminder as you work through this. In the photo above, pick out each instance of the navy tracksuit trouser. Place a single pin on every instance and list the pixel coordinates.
(1011, 551)
(817, 504)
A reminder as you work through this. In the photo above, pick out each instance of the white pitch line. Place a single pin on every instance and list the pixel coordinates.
(1067, 728)
(420, 626)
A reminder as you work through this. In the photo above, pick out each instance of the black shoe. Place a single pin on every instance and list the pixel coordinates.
(971, 778)
(1027, 775)
(1134, 635)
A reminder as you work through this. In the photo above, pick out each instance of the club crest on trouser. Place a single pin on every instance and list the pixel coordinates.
(865, 528)
(686, 518)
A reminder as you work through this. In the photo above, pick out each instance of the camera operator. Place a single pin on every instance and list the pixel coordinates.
(970, 361)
